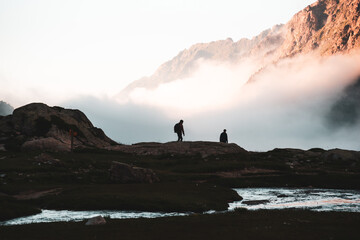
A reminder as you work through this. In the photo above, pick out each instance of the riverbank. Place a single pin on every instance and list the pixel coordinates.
(287, 224)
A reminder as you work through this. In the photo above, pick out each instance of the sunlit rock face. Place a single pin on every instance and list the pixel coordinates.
(326, 27)
(38, 126)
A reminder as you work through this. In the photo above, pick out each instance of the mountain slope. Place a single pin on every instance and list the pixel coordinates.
(186, 62)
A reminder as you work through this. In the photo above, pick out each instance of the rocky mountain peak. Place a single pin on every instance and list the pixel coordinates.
(325, 27)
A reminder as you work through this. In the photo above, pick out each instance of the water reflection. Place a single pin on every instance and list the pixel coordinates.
(311, 199)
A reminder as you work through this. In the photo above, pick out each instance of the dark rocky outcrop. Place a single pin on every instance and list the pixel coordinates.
(37, 126)
(124, 173)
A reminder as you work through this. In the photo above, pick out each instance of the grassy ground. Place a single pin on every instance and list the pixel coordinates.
(238, 225)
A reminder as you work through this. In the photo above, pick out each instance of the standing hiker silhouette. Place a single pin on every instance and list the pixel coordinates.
(179, 130)
(224, 137)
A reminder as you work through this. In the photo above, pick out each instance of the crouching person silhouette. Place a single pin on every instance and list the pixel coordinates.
(179, 130)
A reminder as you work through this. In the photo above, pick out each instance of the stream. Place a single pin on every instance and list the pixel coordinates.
(253, 199)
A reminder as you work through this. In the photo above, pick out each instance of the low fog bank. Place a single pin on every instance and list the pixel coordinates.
(126, 124)
(252, 129)
(302, 102)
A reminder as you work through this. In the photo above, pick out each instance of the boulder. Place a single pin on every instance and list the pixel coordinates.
(98, 220)
(124, 173)
(37, 126)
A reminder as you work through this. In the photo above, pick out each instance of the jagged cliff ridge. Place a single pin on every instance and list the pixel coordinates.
(323, 28)
(38, 126)
(326, 27)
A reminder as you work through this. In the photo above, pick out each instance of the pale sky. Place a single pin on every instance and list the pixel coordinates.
(53, 50)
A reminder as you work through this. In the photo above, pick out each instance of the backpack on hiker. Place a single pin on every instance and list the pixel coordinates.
(176, 128)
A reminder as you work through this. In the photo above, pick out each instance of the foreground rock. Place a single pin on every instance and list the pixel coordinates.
(204, 149)
(99, 220)
(39, 127)
(124, 173)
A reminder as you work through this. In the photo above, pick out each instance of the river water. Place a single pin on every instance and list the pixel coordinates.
(47, 216)
(253, 199)
(311, 199)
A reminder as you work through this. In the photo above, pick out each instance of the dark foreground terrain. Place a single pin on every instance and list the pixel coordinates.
(193, 177)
